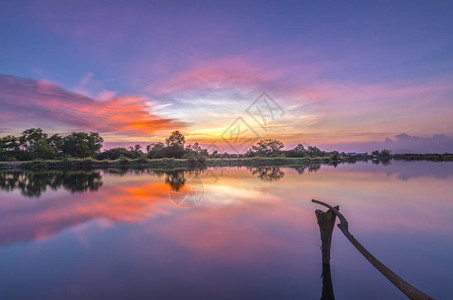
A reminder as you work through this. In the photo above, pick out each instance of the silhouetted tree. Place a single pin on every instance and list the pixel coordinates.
(315, 152)
(10, 146)
(156, 150)
(56, 143)
(298, 151)
(266, 148)
(81, 144)
(33, 142)
(175, 144)
(119, 152)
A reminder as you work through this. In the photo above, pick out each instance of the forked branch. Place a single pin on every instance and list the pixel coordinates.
(400, 283)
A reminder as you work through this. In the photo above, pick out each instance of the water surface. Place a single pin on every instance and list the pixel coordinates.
(226, 233)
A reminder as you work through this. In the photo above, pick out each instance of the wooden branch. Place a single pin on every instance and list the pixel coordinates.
(327, 287)
(400, 283)
(326, 222)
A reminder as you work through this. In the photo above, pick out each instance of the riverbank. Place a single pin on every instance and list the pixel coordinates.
(172, 163)
(77, 164)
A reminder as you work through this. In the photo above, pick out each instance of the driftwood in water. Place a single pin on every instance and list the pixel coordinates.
(327, 287)
(326, 222)
(400, 283)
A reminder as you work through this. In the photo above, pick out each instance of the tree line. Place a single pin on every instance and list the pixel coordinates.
(34, 143)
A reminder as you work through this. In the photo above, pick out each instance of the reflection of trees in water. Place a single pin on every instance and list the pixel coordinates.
(268, 174)
(128, 171)
(314, 167)
(32, 184)
(382, 161)
(309, 168)
(177, 178)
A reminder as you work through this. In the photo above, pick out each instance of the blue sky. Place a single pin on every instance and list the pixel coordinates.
(345, 72)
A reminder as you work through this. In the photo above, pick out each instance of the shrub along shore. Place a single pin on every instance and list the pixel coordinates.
(36, 150)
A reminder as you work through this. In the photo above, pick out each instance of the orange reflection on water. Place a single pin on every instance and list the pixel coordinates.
(240, 214)
(27, 219)
(239, 218)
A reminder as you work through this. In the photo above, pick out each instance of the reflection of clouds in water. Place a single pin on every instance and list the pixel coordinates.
(190, 194)
(405, 170)
(240, 230)
(22, 220)
(137, 195)
(244, 224)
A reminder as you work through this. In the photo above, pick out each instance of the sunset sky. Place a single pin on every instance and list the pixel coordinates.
(342, 75)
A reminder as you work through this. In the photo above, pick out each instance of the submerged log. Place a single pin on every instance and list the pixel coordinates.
(326, 222)
(327, 287)
(409, 290)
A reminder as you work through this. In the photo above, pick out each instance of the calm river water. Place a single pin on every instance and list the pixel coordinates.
(225, 233)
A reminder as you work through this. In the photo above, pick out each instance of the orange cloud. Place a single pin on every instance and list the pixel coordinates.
(45, 104)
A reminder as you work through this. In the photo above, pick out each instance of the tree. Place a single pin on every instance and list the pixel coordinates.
(81, 144)
(156, 150)
(195, 154)
(385, 153)
(266, 148)
(56, 143)
(116, 153)
(175, 144)
(315, 151)
(10, 146)
(2, 149)
(176, 138)
(298, 151)
(335, 155)
(95, 143)
(137, 151)
(34, 142)
(196, 147)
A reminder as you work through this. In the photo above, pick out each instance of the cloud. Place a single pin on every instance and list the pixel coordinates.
(317, 111)
(210, 78)
(40, 103)
(403, 143)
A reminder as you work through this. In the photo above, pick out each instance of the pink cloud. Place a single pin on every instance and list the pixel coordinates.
(43, 103)
(234, 73)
